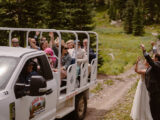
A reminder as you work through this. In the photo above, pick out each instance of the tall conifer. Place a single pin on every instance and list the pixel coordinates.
(138, 27)
(112, 11)
(82, 14)
(128, 14)
(22, 14)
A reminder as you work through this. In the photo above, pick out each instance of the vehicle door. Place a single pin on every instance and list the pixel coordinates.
(35, 106)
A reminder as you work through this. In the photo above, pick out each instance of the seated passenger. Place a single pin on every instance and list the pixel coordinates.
(70, 44)
(43, 45)
(43, 39)
(51, 57)
(27, 72)
(33, 44)
(15, 42)
(65, 62)
(55, 46)
(81, 56)
(66, 58)
(92, 55)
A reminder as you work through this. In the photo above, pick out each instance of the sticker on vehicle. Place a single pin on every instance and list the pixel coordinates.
(12, 111)
(37, 106)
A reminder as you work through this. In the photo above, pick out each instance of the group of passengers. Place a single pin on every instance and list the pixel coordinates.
(68, 51)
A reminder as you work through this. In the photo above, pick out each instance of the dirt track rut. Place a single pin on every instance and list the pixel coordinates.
(106, 99)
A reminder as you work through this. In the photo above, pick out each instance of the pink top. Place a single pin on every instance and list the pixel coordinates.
(49, 52)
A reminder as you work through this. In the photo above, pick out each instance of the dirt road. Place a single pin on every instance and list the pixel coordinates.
(106, 99)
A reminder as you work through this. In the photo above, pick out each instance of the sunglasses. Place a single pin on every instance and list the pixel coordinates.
(66, 48)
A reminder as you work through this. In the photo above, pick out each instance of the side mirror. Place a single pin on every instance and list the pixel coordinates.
(21, 90)
(37, 82)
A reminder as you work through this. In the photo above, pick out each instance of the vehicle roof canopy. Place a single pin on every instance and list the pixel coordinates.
(14, 51)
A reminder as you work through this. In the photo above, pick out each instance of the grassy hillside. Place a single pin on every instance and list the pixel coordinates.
(118, 49)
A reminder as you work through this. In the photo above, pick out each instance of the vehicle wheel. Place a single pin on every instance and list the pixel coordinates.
(80, 107)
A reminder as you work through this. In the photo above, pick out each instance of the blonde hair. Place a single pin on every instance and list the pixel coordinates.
(70, 41)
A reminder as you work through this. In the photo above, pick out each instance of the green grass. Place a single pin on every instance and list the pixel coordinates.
(122, 110)
(119, 78)
(125, 48)
(109, 82)
(98, 88)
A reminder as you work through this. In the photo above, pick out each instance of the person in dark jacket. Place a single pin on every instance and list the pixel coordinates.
(65, 61)
(27, 72)
(152, 81)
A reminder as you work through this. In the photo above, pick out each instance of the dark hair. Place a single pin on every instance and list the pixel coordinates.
(43, 38)
(62, 47)
(41, 44)
(30, 62)
(157, 55)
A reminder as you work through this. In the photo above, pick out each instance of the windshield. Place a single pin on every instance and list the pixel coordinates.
(7, 66)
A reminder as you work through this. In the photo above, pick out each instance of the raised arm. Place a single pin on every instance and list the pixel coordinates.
(52, 41)
(147, 57)
(32, 42)
(36, 38)
(142, 72)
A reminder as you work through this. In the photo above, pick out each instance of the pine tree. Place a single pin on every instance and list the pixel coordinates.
(138, 27)
(129, 12)
(82, 15)
(101, 2)
(151, 11)
(120, 6)
(59, 12)
(116, 9)
(71, 14)
(112, 11)
(22, 14)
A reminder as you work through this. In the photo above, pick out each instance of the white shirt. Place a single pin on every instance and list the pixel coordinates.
(81, 54)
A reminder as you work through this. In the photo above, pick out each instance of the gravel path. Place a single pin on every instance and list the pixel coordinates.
(106, 99)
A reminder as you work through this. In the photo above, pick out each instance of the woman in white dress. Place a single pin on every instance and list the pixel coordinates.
(141, 109)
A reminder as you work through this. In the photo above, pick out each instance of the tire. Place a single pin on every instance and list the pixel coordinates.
(80, 107)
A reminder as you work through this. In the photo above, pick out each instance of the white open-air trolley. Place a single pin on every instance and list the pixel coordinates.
(57, 103)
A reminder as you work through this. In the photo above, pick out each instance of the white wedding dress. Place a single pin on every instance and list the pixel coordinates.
(141, 109)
